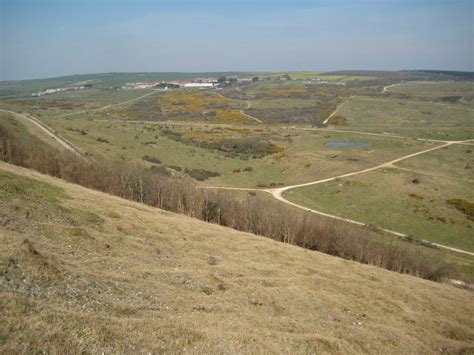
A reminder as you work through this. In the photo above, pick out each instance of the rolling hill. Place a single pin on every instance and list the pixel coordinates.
(85, 271)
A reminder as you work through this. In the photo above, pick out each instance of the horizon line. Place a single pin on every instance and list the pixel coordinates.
(237, 71)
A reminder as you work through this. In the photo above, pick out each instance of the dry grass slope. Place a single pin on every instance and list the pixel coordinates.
(86, 271)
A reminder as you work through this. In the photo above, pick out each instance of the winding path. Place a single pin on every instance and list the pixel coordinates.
(278, 193)
(248, 103)
(385, 89)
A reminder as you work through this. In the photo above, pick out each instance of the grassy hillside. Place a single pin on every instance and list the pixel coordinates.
(409, 118)
(435, 89)
(85, 271)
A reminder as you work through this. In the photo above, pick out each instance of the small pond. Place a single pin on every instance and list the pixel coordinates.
(346, 144)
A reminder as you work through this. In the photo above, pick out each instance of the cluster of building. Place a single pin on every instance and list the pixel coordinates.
(53, 91)
(202, 83)
(141, 85)
(325, 82)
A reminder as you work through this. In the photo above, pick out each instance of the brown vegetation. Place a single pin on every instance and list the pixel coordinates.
(464, 206)
(201, 174)
(151, 159)
(338, 120)
(83, 272)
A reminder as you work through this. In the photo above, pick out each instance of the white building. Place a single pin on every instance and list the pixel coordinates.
(198, 85)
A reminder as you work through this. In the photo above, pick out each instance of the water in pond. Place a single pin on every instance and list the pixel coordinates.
(346, 144)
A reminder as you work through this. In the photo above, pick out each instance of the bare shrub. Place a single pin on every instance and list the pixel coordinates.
(201, 174)
(151, 159)
(102, 140)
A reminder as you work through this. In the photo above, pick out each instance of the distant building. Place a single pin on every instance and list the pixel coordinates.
(167, 86)
(244, 80)
(198, 85)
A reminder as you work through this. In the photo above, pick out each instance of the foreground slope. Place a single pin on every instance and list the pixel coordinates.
(82, 270)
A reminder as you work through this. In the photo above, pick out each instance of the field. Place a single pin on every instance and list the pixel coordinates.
(270, 134)
(408, 118)
(388, 198)
(300, 155)
(90, 272)
(452, 163)
(435, 89)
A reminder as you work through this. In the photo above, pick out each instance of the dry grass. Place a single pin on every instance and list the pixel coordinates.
(85, 271)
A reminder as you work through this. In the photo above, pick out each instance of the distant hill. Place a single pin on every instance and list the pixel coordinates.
(408, 74)
(24, 88)
(86, 271)
(99, 80)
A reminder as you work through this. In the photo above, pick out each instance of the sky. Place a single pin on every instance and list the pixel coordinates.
(47, 38)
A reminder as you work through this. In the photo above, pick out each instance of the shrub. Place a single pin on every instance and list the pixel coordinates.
(151, 159)
(450, 99)
(252, 146)
(201, 174)
(102, 140)
(464, 206)
(338, 120)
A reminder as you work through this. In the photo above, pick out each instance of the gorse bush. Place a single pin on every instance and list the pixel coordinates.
(252, 214)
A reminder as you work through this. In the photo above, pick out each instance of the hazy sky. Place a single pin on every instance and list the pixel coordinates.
(44, 38)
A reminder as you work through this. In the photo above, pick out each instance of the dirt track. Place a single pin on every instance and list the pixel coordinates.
(65, 144)
(278, 193)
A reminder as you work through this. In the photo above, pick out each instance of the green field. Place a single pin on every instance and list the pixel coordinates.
(409, 118)
(388, 198)
(302, 75)
(453, 162)
(435, 89)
